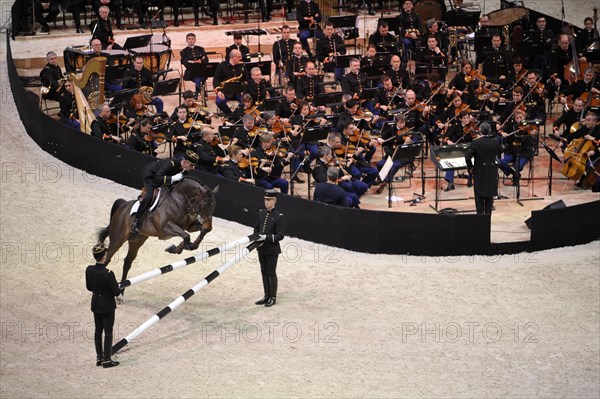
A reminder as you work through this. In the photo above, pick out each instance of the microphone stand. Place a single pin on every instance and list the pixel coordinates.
(33, 18)
(293, 175)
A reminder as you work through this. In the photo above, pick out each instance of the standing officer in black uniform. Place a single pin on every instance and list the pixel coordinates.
(486, 151)
(105, 288)
(270, 225)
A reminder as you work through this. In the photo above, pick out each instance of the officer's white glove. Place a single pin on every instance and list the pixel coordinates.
(176, 178)
(261, 237)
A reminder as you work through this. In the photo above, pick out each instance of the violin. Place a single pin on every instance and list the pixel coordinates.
(245, 162)
(279, 127)
(418, 106)
(487, 94)
(528, 129)
(256, 130)
(357, 137)
(344, 150)
(471, 129)
(252, 111)
(155, 136)
(193, 124)
(360, 114)
(474, 74)
(461, 108)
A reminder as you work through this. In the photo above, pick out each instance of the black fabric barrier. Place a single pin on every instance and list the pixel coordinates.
(358, 230)
(573, 225)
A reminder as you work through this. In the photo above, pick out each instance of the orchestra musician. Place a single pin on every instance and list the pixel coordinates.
(140, 140)
(516, 76)
(329, 192)
(210, 157)
(459, 82)
(192, 108)
(433, 56)
(383, 40)
(139, 76)
(518, 143)
(569, 118)
(417, 115)
(388, 96)
(559, 58)
(361, 168)
(463, 132)
(354, 81)
(296, 66)
(370, 57)
(495, 55)
(102, 30)
(51, 76)
(232, 169)
(237, 45)
(102, 128)
(309, 85)
(328, 47)
(586, 36)
(245, 136)
(302, 120)
(517, 97)
(327, 160)
(258, 87)
(399, 135)
(179, 134)
(49, 7)
(246, 107)
(589, 131)
(233, 68)
(68, 107)
(534, 97)
(282, 49)
(397, 71)
(543, 35)
(193, 54)
(410, 22)
(114, 6)
(433, 92)
(308, 16)
(433, 29)
(271, 163)
(582, 86)
(287, 107)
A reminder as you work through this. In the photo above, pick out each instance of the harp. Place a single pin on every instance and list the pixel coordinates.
(88, 90)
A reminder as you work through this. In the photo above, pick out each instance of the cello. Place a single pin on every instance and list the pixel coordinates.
(576, 157)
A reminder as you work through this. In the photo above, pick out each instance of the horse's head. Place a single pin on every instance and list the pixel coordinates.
(201, 200)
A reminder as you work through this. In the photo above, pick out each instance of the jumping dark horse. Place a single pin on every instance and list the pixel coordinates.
(186, 206)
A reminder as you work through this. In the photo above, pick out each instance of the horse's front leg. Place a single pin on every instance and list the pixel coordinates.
(204, 230)
(172, 229)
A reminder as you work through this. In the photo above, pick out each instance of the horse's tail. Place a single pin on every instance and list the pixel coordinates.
(105, 231)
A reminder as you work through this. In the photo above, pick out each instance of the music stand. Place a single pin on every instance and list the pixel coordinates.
(344, 21)
(387, 48)
(369, 93)
(327, 98)
(462, 18)
(270, 104)
(202, 70)
(555, 157)
(531, 48)
(122, 97)
(233, 89)
(343, 61)
(116, 72)
(164, 87)
(137, 41)
(374, 71)
(406, 154)
(315, 133)
(265, 67)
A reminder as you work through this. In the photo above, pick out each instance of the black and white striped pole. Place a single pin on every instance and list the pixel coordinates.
(188, 261)
(185, 296)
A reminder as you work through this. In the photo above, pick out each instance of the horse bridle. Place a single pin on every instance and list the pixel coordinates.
(193, 211)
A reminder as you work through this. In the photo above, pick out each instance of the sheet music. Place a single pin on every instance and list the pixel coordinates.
(454, 163)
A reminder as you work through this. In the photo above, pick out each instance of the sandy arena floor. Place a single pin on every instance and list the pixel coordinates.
(345, 324)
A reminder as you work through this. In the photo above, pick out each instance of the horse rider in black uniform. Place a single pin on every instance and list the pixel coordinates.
(105, 288)
(162, 173)
(270, 225)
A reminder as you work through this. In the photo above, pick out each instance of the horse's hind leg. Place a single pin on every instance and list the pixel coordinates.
(135, 242)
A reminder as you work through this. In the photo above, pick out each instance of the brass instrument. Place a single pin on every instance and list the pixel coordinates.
(146, 92)
(44, 90)
(92, 81)
(230, 80)
(506, 35)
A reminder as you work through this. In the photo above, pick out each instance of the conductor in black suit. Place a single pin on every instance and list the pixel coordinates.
(270, 225)
(486, 151)
(104, 287)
